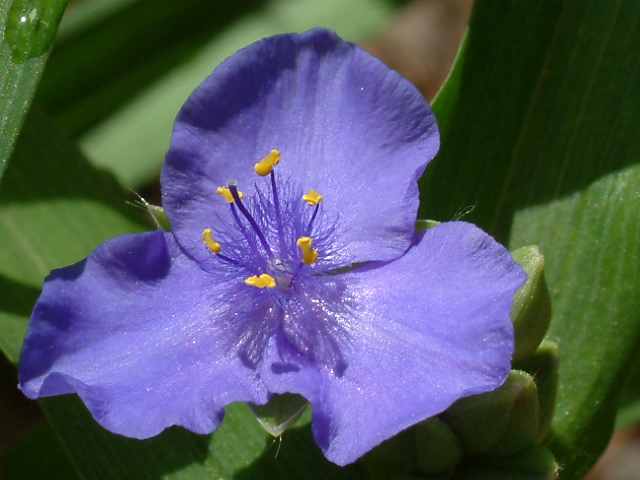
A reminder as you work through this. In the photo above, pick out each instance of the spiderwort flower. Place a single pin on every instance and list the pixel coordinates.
(292, 266)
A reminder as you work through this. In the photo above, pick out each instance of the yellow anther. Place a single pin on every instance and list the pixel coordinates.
(312, 198)
(265, 166)
(263, 281)
(226, 193)
(210, 242)
(309, 255)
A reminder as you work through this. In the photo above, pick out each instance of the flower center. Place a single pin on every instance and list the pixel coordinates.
(276, 252)
(272, 237)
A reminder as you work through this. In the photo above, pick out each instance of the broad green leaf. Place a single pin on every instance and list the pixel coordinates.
(132, 142)
(594, 269)
(539, 127)
(27, 29)
(482, 107)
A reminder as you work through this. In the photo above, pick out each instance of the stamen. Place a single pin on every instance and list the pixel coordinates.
(309, 255)
(236, 200)
(263, 281)
(226, 193)
(276, 204)
(210, 242)
(265, 166)
(312, 198)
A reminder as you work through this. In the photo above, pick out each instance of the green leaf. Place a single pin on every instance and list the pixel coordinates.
(629, 413)
(539, 132)
(482, 107)
(108, 51)
(239, 449)
(593, 269)
(27, 28)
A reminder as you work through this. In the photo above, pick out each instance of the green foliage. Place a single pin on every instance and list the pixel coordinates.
(539, 133)
(27, 29)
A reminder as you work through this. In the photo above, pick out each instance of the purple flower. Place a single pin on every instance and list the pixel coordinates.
(293, 266)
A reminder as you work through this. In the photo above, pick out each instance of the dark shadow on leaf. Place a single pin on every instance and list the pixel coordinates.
(99, 450)
(295, 456)
(46, 165)
(17, 298)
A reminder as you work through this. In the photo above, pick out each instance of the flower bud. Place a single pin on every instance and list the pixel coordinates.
(393, 458)
(501, 422)
(536, 463)
(543, 366)
(279, 413)
(531, 312)
(438, 448)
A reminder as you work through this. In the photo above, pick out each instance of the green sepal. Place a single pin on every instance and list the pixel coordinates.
(159, 216)
(393, 458)
(501, 422)
(279, 413)
(536, 463)
(543, 366)
(157, 213)
(422, 225)
(531, 312)
(437, 447)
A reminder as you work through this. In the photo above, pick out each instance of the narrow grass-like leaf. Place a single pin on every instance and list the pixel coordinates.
(27, 29)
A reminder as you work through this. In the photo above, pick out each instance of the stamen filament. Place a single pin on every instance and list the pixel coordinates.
(234, 193)
(313, 198)
(313, 217)
(226, 193)
(215, 247)
(276, 204)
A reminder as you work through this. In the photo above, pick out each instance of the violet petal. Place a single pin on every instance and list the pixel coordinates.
(130, 329)
(345, 124)
(431, 327)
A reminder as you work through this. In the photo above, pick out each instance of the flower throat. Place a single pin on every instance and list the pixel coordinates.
(272, 242)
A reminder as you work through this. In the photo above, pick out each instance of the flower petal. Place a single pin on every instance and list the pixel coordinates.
(346, 126)
(433, 327)
(130, 329)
